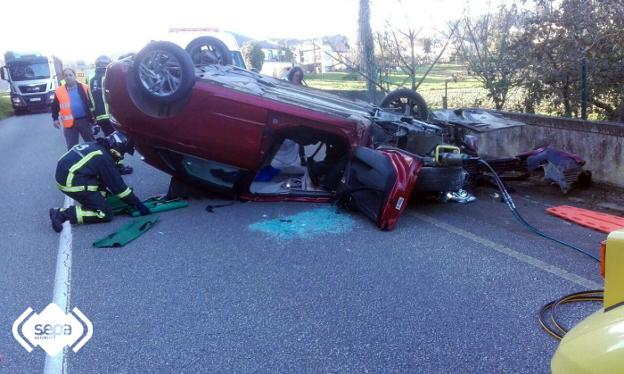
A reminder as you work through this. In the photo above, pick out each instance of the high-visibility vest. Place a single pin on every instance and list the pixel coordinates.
(65, 113)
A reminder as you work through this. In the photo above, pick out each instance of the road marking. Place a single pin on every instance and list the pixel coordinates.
(529, 260)
(62, 289)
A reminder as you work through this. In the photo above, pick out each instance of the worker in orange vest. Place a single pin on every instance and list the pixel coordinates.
(72, 107)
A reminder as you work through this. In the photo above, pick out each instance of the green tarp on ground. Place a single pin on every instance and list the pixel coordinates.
(127, 233)
(154, 204)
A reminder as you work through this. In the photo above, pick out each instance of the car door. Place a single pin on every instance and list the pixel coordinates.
(378, 183)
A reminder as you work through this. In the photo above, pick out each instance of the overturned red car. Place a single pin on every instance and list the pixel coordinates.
(231, 131)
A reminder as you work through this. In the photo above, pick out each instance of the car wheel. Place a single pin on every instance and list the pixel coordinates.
(208, 50)
(409, 102)
(163, 72)
(160, 79)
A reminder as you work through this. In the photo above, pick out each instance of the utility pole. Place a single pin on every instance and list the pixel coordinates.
(445, 98)
(584, 93)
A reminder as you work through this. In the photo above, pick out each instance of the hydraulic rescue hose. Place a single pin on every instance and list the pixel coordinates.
(519, 218)
(548, 313)
(550, 324)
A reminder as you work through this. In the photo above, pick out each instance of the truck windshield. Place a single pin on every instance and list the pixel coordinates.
(23, 71)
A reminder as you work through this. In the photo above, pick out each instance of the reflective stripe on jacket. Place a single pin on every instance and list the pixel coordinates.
(65, 113)
(100, 106)
(90, 167)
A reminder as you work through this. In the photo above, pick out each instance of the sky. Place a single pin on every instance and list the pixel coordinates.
(83, 30)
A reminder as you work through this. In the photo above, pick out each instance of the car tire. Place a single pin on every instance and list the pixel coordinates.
(207, 50)
(163, 72)
(172, 99)
(409, 101)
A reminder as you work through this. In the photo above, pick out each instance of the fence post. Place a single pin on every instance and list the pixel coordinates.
(584, 93)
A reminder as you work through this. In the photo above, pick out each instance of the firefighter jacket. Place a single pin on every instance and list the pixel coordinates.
(90, 167)
(96, 84)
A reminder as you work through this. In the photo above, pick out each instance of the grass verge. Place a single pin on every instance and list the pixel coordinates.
(6, 109)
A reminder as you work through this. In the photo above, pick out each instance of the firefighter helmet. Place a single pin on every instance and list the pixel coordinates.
(102, 62)
(120, 143)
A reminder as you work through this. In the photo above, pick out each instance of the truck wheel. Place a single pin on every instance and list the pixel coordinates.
(409, 102)
(208, 50)
(160, 79)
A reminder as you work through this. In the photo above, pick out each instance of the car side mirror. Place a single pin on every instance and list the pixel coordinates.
(3, 75)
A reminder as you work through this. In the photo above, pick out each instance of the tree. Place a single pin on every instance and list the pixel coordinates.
(574, 51)
(289, 56)
(367, 48)
(253, 55)
(486, 44)
(400, 48)
(400, 43)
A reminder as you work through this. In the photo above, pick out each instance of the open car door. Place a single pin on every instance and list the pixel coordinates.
(379, 183)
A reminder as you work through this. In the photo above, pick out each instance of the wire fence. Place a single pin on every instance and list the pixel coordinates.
(469, 97)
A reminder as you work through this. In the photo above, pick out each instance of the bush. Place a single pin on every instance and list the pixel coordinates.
(253, 55)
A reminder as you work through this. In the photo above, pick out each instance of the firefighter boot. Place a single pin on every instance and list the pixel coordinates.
(57, 217)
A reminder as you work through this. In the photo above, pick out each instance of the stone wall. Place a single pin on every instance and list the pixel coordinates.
(599, 143)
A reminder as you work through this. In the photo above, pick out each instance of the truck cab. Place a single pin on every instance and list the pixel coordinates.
(32, 77)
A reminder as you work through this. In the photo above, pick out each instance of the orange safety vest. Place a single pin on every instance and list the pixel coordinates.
(65, 113)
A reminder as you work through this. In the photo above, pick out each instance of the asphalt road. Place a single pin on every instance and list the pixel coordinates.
(286, 287)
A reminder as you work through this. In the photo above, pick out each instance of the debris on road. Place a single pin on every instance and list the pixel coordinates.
(306, 224)
(460, 196)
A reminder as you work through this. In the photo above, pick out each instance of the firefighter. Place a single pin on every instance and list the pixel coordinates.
(88, 171)
(100, 110)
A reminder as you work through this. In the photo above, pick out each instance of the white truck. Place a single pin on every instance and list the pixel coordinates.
(32, 77)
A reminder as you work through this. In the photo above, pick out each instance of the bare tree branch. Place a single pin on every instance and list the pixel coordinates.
(354, 67)
(448, 40)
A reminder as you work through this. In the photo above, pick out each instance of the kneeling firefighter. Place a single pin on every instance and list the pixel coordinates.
(85, 173)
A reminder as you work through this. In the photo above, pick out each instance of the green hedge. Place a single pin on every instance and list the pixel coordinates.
(5, 106)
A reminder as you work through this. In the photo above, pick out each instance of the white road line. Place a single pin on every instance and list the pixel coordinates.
(561, 273)
(62, 290)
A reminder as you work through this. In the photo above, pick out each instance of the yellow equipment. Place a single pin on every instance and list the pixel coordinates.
(596, 344)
